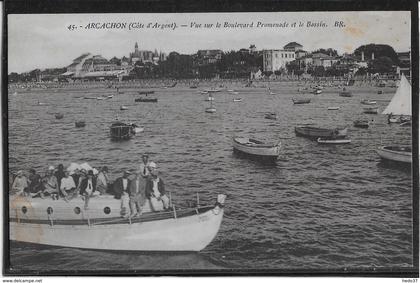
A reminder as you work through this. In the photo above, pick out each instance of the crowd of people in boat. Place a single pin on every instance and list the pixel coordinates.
(134, 188)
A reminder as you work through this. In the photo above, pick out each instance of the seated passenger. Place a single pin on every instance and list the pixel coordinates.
(88, 185)
(102, 181)
(20, 184)
(68, 186)
(50, 184)
(120, 189)
(35, 185)
(155, 188)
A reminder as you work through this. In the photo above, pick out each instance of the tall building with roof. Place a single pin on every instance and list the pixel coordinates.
(276, 59)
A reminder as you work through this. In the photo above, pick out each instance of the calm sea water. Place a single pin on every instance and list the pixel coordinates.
(318, 207)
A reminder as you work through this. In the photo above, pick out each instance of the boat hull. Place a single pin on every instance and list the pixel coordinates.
(163, 235)
(337, 141)
(315, 133)
(301, 101)
(392, 154)
(265, 152)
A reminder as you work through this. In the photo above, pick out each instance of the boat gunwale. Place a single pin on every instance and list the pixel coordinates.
(146, 217)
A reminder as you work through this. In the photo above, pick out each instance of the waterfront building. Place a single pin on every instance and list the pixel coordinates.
(324, 60)
(206, 57)
(274, 60)
(76, 68)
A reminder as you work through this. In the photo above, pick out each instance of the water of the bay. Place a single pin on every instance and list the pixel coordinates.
(318, 208)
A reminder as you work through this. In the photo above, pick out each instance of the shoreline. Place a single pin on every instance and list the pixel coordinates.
(194, 83)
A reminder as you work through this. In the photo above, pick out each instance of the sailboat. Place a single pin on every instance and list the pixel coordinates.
(400, 105)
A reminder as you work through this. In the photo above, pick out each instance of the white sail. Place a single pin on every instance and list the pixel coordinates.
(401, 102)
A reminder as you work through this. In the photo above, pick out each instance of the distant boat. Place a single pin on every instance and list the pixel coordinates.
(109, 96)
(361, 124)
(203, 92)
(144, 99)
(301, 100)
(136, 129)
(41, 103)
(317, 91)
(333, 108)
(345, 93)
(59, 116)
(333, 141)
(237, 99)
(213, 90)
(395, 153)
(146, 92)
(368, 102)
(100, 98)
(256, 148)
(89, 97)
(271, 116)
(315, 132)
(80, 124)
(210, 109)
(371, 110)
(400, 104)
(121, 131)
(123, 107)
(380, 92)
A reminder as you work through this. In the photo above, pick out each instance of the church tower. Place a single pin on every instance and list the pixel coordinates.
(136, 48)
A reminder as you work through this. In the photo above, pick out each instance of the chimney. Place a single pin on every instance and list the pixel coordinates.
(363, 56)
(373, 56)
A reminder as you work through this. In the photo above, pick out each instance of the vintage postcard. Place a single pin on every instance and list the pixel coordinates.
(210, 142)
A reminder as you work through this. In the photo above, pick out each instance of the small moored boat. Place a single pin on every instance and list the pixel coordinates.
(301, 100)
(256, 148)
(317, 91)
(144, 99)
(371, 110)
(123, 107)
(315, 132)
(271, 116)
(368, 102)
(333, 108)
(345, 93)
(395, 153)
(237, 99)
(361, 124)
(333, 141)
(80, 124)
(146, 92)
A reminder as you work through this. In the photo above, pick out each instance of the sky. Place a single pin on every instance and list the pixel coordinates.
(44, 40)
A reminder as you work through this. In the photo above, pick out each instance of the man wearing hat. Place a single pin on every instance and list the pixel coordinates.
(120, 187)
(136, 192)
(144, 171)
(20, 183)
(102, 181)
(50, 184)
(155, 189)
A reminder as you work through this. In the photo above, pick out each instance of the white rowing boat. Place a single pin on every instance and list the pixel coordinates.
(333, 141)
